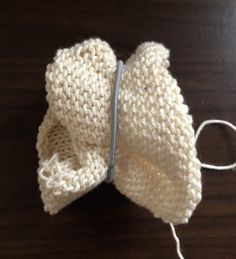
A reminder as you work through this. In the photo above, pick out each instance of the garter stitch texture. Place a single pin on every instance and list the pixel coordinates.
(156, 163)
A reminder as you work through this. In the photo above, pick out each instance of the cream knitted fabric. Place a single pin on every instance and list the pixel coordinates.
(156, 164)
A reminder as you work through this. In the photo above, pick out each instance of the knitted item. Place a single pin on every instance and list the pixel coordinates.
(156, 164)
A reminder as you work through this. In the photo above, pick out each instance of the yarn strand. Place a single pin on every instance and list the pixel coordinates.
(200, 129)
(207, 166)
(177, 241)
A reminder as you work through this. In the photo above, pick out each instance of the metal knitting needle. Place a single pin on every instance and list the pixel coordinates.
(114, 123)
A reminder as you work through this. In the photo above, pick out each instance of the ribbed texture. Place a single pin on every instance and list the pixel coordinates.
(156, 164)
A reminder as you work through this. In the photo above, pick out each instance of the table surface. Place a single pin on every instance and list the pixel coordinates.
(105, 224)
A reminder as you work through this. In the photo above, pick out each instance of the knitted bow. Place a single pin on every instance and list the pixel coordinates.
(156, 157)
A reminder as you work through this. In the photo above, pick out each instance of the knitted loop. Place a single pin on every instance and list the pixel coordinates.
(199, 130)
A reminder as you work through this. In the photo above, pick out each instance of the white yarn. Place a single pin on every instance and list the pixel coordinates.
(156, 162)
(199, 130)
(177, 241)
(214, 167)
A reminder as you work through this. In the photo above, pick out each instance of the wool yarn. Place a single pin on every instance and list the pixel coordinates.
(156, 164)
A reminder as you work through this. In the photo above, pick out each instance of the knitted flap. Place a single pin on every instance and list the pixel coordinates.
(156, 163)
(160, 170)
(64, 176)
